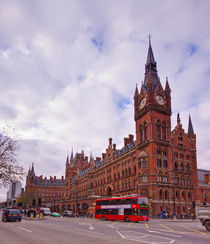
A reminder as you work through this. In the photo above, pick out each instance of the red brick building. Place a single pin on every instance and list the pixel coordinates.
(44, 191)
(160, 163)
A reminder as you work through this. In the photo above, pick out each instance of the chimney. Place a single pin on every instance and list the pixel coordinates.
(130, 138)
(54, 177)
(114, 147)
(110, 141)
(98, 158)
(86, 158)
(103, 155)
(45, 177)
(126, 140)
(62, 178)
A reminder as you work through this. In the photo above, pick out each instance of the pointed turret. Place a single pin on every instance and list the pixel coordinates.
(190, 127)
(167, 87)
(72, 153)
(32, 169)
(136, 94)
(151, 79)
(91, 157)
(67, 158)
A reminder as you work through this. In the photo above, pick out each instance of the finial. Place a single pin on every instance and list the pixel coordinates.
(149, 37)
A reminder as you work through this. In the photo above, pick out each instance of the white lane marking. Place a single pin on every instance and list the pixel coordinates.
(91, 227)
(111, 226)
(163, 233)
(24, 229)
(121, 235)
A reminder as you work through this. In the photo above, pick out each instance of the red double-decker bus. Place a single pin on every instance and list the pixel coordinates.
(132, 208)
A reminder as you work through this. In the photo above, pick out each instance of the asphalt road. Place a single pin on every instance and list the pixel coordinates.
(84, 230)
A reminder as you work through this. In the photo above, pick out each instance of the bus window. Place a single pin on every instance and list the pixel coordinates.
(143, 212)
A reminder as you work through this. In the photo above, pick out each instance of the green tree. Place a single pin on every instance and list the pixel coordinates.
(9, 168)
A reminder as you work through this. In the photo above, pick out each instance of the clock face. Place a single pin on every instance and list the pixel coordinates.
(142, 103)
(160, 100)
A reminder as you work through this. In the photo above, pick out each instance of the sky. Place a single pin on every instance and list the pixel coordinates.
(68, 72)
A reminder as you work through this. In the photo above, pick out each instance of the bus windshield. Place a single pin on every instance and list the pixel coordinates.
(143, 212)
(143, 201)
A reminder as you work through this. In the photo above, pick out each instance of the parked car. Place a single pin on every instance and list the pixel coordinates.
(46, 211)
(68, 213)
(55, 214)
(11, 215)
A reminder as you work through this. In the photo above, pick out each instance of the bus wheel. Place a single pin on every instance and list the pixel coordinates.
(103, 218)
(126, 219)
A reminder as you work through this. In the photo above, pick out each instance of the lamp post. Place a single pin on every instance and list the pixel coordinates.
(76, 191)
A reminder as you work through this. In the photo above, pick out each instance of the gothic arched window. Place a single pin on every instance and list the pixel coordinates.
(164, 133)
(145, 131)
(158, 131)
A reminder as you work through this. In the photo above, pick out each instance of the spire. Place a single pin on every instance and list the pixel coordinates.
(190, 127)
(72, 153)
(167, 87)
(178, 119)
(136, 94)
(91, 157)
(67, 158)
(150, 55)
(32, 168)
(151, 78)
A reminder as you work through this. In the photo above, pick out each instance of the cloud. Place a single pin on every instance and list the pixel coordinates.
(68, 72)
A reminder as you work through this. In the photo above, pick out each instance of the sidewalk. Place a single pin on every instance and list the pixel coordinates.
(36, 218)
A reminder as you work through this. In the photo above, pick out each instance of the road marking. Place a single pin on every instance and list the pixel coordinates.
(111, 226)
(146, 225)
(121, 234)
(166, 227)
(163, 233)
(91, 227)
(24, 229)
(197, 231)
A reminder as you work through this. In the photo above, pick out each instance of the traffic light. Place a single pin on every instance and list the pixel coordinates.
(193, 204)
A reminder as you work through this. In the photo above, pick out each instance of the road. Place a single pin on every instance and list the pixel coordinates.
(84, 230)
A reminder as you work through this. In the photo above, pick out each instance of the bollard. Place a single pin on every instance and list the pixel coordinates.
(174, 218)
(41, 215)
(31, 215)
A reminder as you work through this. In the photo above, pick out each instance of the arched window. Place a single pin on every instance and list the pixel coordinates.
(165, 163)
(183, 195)
(145, 131)
(177, 195)
(165, 152)
(164, 131)
(176, 165)
(159, 178)
(141, 134)
(134, 170)
(159, 163)
(144, 178)
(161, 194)
(166, 194)
(158, 150)
(182, 167)
(182, 180)
(158, 133)
(189, 195)
(129, 170)
(175, 180)
(165, 178)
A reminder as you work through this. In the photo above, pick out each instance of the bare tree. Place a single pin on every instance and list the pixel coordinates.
(9, 169)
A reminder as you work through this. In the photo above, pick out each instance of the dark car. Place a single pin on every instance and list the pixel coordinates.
(11, 215)
(68, 213)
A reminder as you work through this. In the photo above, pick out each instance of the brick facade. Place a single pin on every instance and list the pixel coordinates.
(44, 191)
(160, 164)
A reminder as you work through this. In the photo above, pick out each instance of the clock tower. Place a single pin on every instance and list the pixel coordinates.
(152, 113)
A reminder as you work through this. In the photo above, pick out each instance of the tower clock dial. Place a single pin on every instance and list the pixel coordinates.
(160, 100)
(142, 103)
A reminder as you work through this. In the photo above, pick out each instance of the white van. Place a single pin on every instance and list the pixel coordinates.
(46, 211)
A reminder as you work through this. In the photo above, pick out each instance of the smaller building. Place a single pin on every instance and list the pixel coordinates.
(204, 187)
(43, 191)
(14, 192)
